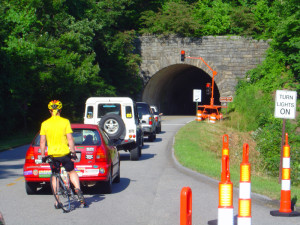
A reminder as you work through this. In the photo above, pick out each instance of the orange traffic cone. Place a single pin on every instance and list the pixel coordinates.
(199, 116)
(213, 118)
(285, 200)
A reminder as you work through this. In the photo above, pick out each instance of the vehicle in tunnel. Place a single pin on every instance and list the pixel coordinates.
(171, 89)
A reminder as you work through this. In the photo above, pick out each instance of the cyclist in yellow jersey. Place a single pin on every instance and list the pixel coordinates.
(58, 133)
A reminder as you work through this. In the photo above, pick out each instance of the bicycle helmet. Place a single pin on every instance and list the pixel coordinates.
(55, 105)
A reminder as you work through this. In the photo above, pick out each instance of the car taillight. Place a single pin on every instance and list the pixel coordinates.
(100, 155)
(150, 120)
(156, 119)
(29, 157)
(131, 133)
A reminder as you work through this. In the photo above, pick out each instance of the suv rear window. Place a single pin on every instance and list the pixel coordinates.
(143, 109)
(104, 109)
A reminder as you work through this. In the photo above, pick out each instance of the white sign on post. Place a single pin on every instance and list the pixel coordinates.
(285, 104)
(197, 95)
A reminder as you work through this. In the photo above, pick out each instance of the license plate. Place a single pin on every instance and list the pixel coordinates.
(38, 161)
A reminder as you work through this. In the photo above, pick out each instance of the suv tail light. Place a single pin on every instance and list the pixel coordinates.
(100, 154)
(150, 120)
(29, 158)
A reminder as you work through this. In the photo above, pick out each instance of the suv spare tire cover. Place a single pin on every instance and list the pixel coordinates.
(113, 125)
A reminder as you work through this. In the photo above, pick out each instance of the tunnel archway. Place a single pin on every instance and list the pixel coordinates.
(171, 89)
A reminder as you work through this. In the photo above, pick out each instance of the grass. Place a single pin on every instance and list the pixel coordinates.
(14, 141)
(198, 146)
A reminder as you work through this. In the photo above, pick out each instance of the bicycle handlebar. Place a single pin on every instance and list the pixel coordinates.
(46, 159)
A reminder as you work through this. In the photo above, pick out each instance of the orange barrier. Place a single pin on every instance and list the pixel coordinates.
(285, 200)
(244, 212)
(186, 206)
(199, 115)
(225, 151)
(225, 208)
(213, 118)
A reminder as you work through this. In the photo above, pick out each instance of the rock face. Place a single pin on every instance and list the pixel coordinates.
(231, 57)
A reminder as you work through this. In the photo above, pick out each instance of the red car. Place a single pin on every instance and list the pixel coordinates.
(98, 161)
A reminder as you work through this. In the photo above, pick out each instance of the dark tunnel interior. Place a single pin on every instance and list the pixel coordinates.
(171, 89)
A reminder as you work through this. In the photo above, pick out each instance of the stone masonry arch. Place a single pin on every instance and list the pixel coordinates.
(161, 67)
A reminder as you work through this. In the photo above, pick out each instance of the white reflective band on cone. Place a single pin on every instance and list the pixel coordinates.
(225, 216)
(244, 221)
(286, 163)
(285, 185)
(245, 190)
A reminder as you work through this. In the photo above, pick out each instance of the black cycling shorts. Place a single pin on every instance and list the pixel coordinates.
(65, 161)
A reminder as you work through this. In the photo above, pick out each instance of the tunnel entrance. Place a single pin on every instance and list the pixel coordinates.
(171, 89)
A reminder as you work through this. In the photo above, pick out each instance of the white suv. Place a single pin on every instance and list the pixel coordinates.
(148, 121)
(157, 117)
(118, 117)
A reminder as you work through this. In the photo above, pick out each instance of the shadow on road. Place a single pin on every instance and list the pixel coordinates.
(156, 140)
(124, 183)
(145, 156)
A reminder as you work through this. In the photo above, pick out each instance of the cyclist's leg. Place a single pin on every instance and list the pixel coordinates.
(61, 194)
(74, 179)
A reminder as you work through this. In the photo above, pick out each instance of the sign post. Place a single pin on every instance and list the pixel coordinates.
(285, 104)
(197, 97)
(285, 108)
(226, 100)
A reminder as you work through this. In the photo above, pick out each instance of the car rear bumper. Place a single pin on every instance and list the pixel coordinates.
(148, 130)
(126, 145)
(96, 172)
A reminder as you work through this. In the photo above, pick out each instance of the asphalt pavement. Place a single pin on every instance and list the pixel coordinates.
(148, 194)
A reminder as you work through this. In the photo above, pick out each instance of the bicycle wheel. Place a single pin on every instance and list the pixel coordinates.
(60, 192)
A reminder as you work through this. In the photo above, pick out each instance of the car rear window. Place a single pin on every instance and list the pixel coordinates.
(104, 109)
(86, 137)
(81, 137)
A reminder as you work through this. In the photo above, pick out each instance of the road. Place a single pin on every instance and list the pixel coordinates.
(148, 194)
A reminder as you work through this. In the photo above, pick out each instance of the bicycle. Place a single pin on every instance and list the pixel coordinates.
(62, 190)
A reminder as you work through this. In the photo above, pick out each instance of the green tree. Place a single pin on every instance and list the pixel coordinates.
(213, 17)
(175, 17)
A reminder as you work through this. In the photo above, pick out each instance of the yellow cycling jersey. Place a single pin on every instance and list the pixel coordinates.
(56, 129)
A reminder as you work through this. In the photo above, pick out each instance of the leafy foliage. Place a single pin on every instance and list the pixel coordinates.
(73, 49)
(50, 50)
(175, 17)
(213, 17)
